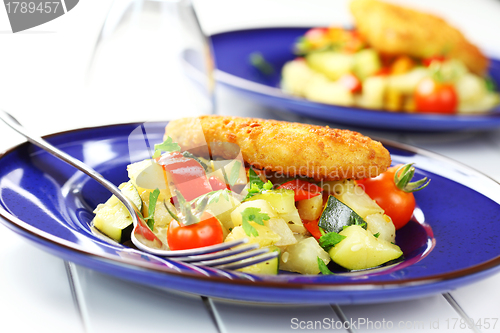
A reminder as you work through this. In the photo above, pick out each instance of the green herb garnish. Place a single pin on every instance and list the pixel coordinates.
(323, 268)
(377, 235)
(167, 146)
(252, 214)
(329, 240)
(256, 185)
(153, 197)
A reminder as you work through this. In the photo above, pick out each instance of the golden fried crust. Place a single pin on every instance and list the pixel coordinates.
(396, 30)
(293, 149)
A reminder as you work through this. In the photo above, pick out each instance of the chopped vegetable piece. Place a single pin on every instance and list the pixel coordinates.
(323, 268)
(312, 227)
(336, 215)
(252, 214)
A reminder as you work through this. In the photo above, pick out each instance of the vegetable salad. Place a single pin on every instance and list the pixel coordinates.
(190, 202)
(336, 66)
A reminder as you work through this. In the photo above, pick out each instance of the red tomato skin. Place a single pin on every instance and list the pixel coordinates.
(433, 97)
(204, 233)
(303, 189)
(397, 204)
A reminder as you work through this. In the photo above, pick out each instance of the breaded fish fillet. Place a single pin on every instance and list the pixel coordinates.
(397, 30)
(287, 148)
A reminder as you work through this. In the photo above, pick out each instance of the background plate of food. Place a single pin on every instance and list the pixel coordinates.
(397, 69)
(451, 240)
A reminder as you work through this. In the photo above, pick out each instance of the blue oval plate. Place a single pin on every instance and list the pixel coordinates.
(232, 50)
(452, 240)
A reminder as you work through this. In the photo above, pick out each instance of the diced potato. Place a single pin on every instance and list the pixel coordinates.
(320, 89)
(281, 200)
(148, 175)
(294, 221)
(366, 63)
(302, 257)
(407, 83)
(381, 224)
(266, 236)
(470, 89)
(361, 250)
(223, 209)
(264, 206)
(331, 63)
(280, 227)
(310, 209)
(295, 77)
(374, 88)
(162, 216)
(488, 101)
(269, 267)
(356, 199)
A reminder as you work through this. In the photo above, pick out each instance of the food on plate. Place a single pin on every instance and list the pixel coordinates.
(253, 178)
(396, 59)
(311, 151)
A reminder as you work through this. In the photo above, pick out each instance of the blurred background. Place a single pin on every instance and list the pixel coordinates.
(44, 70)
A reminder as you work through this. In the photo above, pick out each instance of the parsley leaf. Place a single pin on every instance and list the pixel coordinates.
(256, 185)
(323, 268)
(167, 146)
(376, 235)
(252, 214)
(153, 197)
(329, 240)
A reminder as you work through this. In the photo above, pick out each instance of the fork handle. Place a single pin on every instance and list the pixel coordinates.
(42, 143)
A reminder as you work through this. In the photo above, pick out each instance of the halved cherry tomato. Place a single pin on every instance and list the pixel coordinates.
(433, 96)
(351, 82)
(217, 184)
(187, 175)
(204, 233)
(394, 197)
(312, 227)
(303, 189)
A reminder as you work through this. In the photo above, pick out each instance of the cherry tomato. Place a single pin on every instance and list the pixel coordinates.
(303, 189)
(217, 184)
(351, 82)
(433, 96)
(204, 233)
(312, 227)
(394, 197)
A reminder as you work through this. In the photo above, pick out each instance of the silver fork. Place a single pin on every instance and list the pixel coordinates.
(222, 256)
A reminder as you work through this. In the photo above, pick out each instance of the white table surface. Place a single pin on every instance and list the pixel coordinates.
(42, 82)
